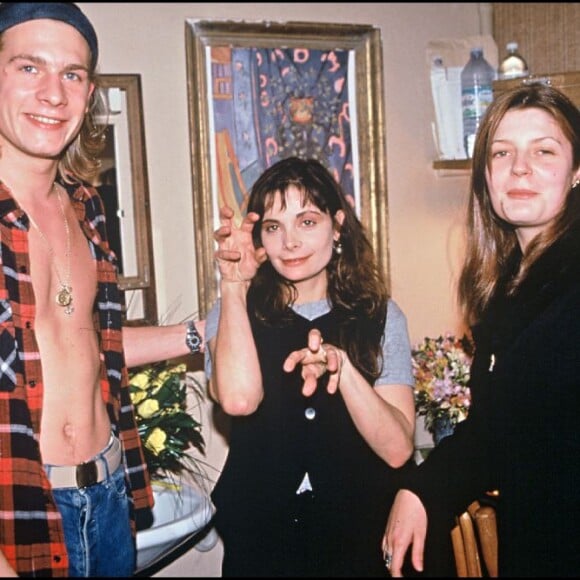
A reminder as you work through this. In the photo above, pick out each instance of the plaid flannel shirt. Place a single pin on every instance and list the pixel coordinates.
(31, 533)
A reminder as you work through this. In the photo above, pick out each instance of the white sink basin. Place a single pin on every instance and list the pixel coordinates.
(179, 513)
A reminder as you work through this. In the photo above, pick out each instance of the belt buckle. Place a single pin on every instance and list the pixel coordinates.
(87, 474)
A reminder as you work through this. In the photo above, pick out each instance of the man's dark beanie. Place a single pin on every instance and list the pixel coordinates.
(13, 13)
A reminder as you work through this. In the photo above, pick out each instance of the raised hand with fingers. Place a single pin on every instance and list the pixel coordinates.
(238, 259)
(317, 359)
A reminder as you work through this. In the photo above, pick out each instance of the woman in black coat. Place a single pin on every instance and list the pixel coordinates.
(520, 291)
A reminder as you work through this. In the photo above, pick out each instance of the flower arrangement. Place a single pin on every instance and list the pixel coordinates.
(166, 426)
(441, 368)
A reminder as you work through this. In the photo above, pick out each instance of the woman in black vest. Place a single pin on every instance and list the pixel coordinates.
(312, 360)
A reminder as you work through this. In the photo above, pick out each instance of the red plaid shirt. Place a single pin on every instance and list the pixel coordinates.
(31, 533)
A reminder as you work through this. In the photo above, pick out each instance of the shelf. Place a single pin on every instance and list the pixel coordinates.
(462, 164)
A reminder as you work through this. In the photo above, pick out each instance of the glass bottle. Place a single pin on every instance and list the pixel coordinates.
(513, 65)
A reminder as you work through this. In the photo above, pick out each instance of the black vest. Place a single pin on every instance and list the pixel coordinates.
(290, 434)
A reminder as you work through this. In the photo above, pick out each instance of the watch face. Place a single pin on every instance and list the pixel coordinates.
(192, 337)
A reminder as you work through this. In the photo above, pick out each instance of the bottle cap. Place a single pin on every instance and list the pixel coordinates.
(511, 46)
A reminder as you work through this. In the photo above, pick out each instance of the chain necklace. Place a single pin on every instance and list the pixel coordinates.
(64, 295)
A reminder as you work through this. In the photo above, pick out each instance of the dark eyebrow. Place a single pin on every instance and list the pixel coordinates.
(315, 210)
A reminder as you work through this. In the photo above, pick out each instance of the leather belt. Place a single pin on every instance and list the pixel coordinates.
(90, 472)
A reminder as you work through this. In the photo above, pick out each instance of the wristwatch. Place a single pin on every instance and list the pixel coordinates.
(192, 338)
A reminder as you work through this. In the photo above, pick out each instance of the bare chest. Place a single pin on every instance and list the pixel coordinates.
(63, 273)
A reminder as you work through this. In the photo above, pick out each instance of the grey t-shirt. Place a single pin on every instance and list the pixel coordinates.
(397, 369)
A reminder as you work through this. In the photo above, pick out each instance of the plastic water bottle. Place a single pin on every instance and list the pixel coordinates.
(513, 65)
(477, 79)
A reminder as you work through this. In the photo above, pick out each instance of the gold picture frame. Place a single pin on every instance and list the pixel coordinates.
(359, 45)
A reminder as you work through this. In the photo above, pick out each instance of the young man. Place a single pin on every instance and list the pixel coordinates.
(74, 485)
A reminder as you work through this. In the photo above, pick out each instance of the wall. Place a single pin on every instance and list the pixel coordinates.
(425, 206)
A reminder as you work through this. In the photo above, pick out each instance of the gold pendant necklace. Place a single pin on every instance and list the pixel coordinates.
(64, 295)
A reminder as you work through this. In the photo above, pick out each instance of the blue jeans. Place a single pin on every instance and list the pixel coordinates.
(97, 528)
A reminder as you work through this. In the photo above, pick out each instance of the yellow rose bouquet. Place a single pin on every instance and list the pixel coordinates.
(166, 426)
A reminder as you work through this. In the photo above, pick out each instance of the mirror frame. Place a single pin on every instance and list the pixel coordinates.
(144, 280)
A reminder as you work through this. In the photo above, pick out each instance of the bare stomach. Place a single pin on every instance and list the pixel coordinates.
(75, 425)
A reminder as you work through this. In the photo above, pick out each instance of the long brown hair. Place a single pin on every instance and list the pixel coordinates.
(491, 242)
(356, 286)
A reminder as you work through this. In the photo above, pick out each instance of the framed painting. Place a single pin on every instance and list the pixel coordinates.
(262, 91)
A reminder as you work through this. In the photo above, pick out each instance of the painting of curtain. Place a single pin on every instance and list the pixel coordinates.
(273, 103)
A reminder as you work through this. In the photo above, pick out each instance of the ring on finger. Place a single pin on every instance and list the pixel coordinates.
(388, 560)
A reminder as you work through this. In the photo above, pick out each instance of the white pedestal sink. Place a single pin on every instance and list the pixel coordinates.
(180, 512)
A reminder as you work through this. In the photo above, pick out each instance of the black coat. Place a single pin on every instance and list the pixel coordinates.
(522, 436)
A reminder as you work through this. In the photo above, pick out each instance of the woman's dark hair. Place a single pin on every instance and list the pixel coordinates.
(356, 287)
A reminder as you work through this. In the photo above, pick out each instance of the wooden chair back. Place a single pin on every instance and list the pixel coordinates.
(474, 539)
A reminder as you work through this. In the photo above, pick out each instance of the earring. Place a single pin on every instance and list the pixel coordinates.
(338, 247)
(576, 183)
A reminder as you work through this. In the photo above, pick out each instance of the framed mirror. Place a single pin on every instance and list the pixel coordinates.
(123, 185)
